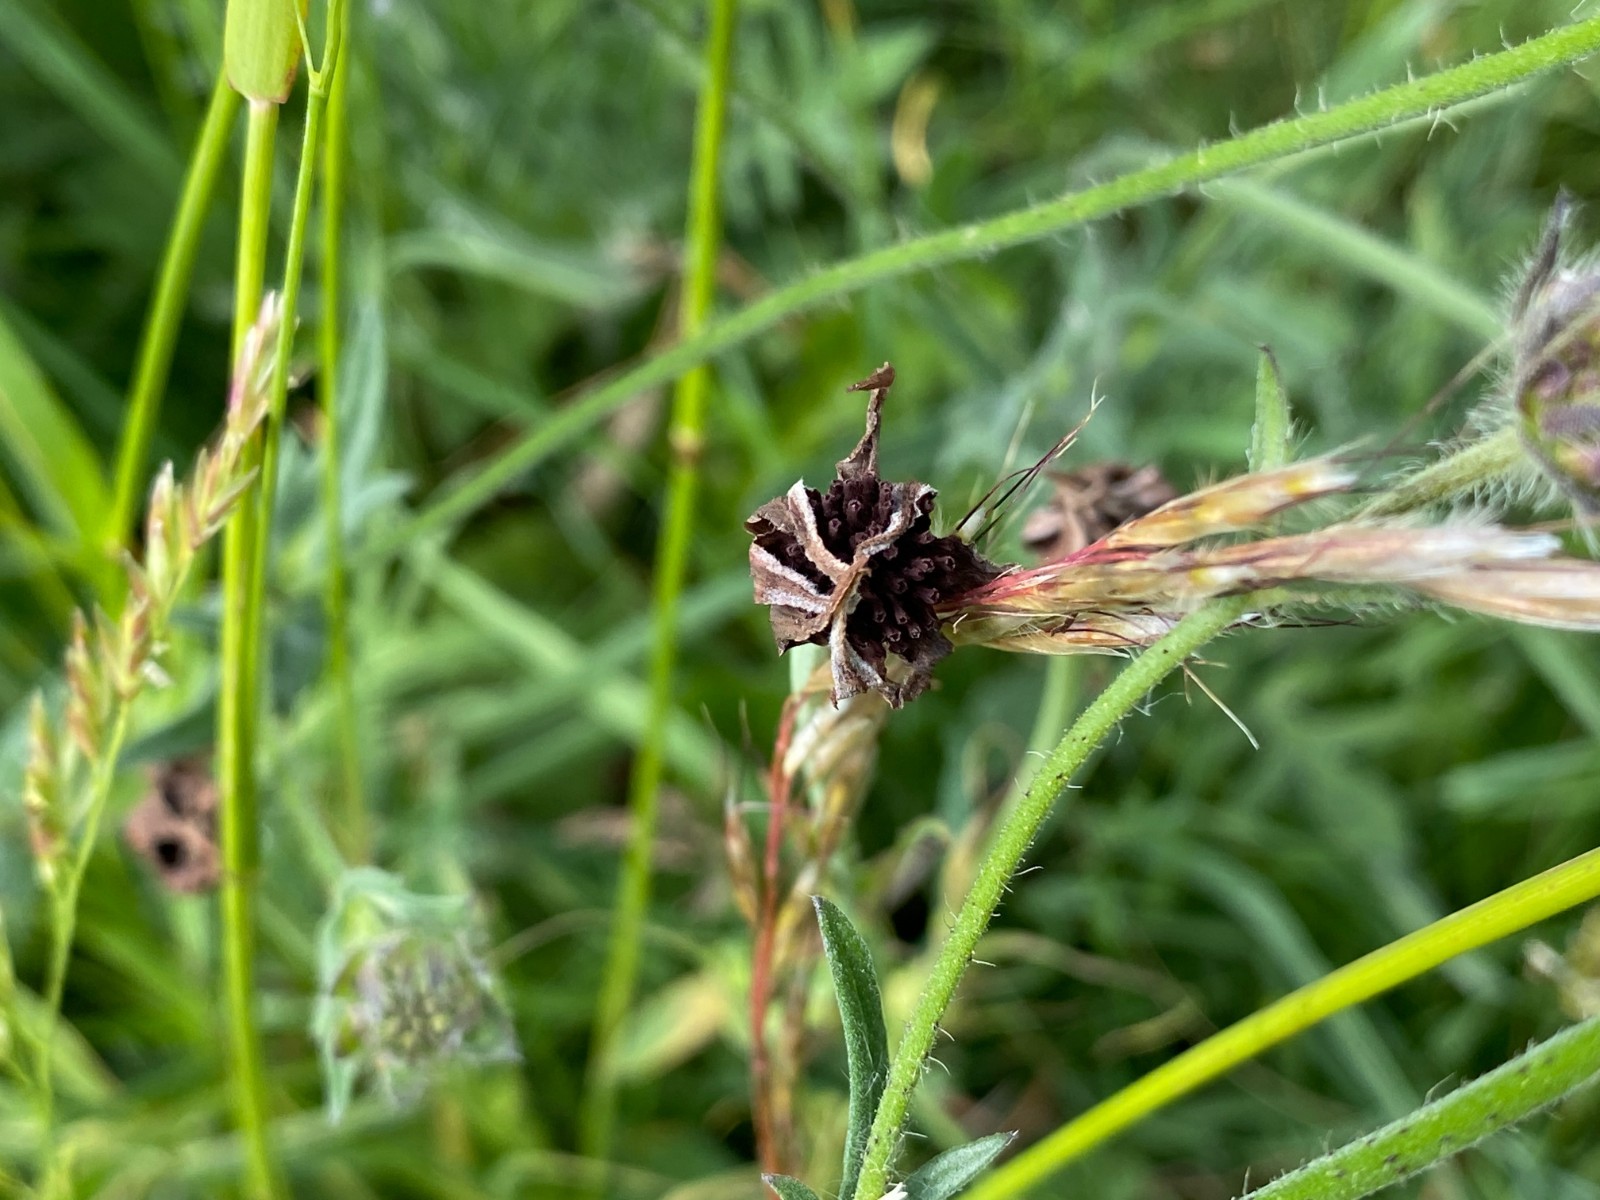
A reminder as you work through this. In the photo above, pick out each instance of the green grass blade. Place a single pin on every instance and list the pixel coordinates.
(55, 466)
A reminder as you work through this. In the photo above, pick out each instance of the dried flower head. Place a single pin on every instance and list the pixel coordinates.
(174, 828)
(404, 991)
(859, 569)
(1088, 503)
(1555, 375)
(1576, 974)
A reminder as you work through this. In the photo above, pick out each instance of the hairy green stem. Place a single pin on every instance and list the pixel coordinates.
(1432, 94)
(1452, 477)
(353, 809)
(237, 708)
(685, 437)
(1437, 1131)
(166, 313)
(1004, 855)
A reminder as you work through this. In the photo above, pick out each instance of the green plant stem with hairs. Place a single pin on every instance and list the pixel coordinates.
(166, 313)
(1432, 94)
(239, 697)
(1004, 855)
(1458, 474)
(335, 152)
(685, 437)
(1437, 1131)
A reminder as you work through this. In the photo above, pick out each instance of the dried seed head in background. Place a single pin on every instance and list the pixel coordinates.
(859, 569)
(174, 828)
(1089, 503)
(405, 992)
(1555, 375)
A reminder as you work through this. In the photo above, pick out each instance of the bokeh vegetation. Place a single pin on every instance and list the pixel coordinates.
(513, 224)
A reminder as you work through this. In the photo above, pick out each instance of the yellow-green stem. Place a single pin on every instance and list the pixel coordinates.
(686, 433)
(239, 697)
(353, 810)
(166, 313)
(1556, 890)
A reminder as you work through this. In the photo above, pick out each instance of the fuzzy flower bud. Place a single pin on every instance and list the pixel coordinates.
(404, 991)
(1555, 375)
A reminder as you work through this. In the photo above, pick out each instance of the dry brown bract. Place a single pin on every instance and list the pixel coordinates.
(859, 569)
(1088, 503)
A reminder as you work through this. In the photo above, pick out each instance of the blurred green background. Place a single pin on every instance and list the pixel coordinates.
(517, 200)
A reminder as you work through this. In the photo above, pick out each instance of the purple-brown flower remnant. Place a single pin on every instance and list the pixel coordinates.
(859, 569)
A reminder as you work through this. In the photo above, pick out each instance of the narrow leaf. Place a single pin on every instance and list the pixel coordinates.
(945, 1176)
(789, 1188)
(1269, 437)
(866, 1043)
(51, 459)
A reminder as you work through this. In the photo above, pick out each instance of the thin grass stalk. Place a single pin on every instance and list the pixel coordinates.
(64, 926)
(771, 1133)
(1574, 882)
(1431, 95)
(686, 435)
(238, 822)
(166, 312)
(293, 272)
(1436, 1132)
(353, 809)
(1004, 855)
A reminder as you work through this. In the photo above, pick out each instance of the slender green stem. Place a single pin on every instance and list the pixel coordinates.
(1454, 476)
(64, 920)
(1438, 1131)
(166, 312)
(686, 432)
(1574, 882)
(239, 700)
(1432, 94)
(353, 824)
(1002, 858)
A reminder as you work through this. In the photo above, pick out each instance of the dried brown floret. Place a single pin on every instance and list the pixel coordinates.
(174, 828)
(859, 569)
